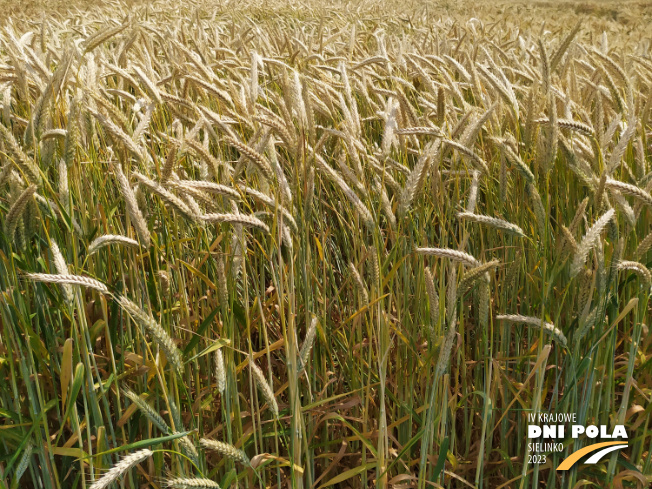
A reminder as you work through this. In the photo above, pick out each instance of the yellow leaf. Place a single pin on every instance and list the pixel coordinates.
(69, 452)
(66, 371)
(348, 474)
(319, 249)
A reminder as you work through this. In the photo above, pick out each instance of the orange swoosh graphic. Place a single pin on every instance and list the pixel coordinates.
(575, 456)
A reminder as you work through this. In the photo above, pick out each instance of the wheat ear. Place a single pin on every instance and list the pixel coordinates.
(532, 321)
(252, 155)
(188, 483)
(225, 449)
(16, 210)
(161, 337)
(108, 239)
(69, 279)
(166, 196)
(21, 160)
(121, 468)
(643, 246)
(147, 410)
(628, 189)
(362, 289)
(131, 203)
(62, 269)
(589, 240)
(433, 301)
(304, 353)
(236, 219)
(265, 388)
(24, 461)
(220, 371)
(638, 268)
(493, 222)
(454, 255)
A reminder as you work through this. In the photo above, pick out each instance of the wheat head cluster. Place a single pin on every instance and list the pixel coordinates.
(266, 244)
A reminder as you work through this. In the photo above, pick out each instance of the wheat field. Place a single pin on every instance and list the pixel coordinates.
(322, 244)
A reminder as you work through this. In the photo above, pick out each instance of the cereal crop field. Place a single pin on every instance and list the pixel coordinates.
(310, 245)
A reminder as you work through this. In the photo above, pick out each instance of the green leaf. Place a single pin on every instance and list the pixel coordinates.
(143, 444)
(441, 459)
(36, 423)
(9, 414)
(200, 331)
(216, 345)
(239, 313)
